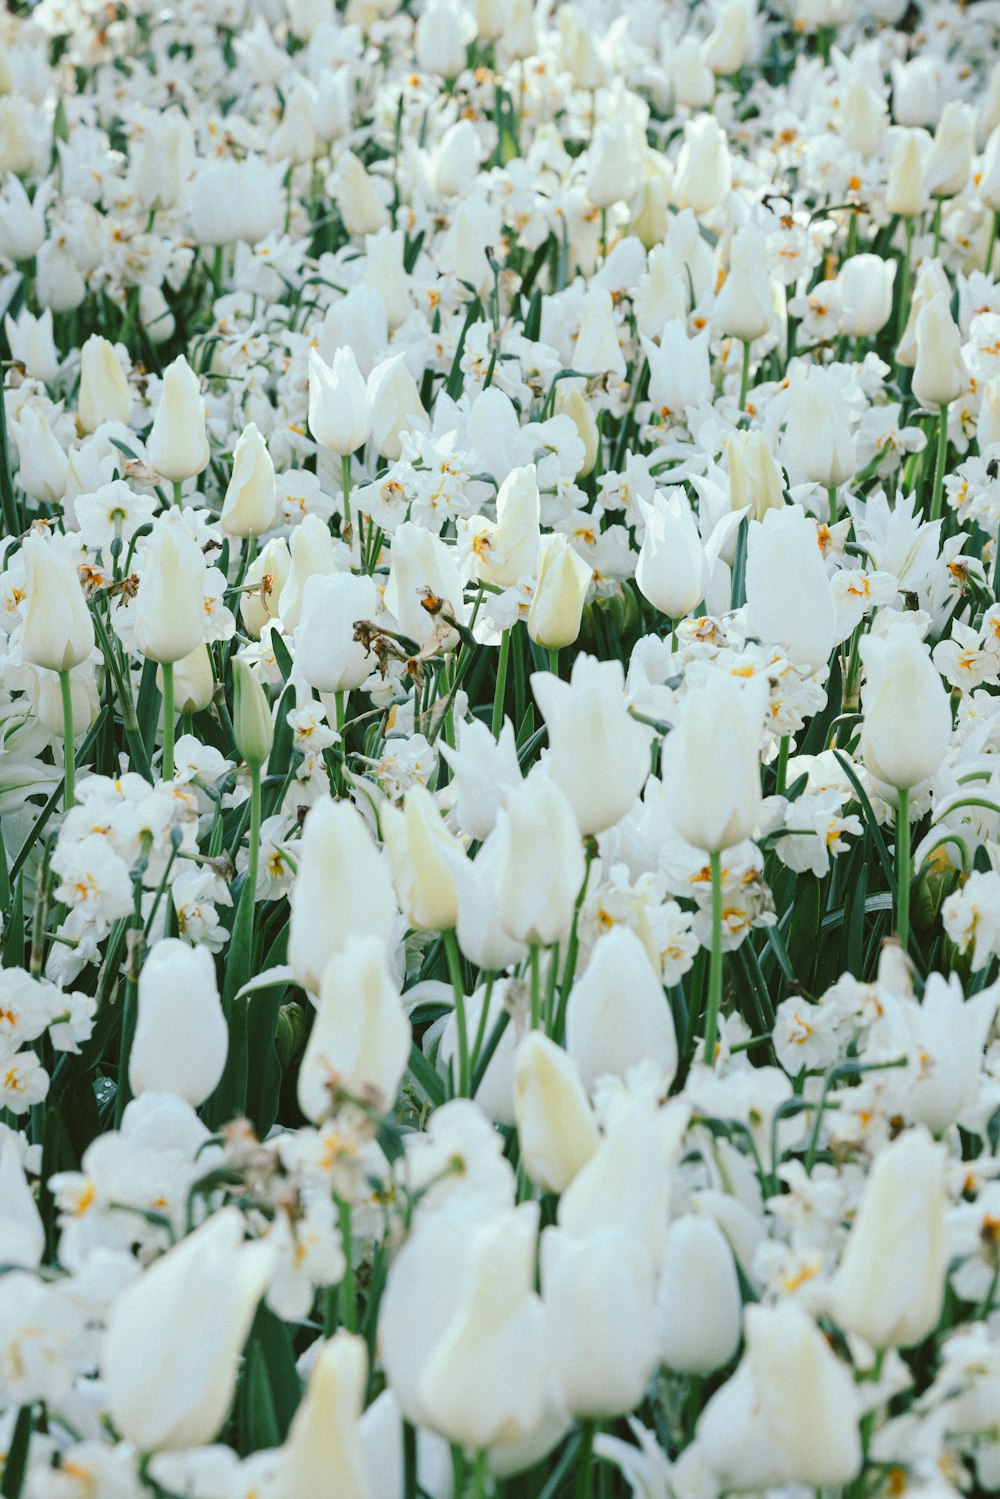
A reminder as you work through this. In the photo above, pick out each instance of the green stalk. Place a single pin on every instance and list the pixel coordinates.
(942, 453)
(834, 511)
(348, 1299)
(904, 867)
(745, 378)
(782, 772)
(536, 988)
(167, 668)
(585, 1460)
(178, 498)
(69, 762)
(345, 469)
(501, 687)
(479, 1475)
(904, 283)
(936, 227)
(715, 967)
(554, 662)
(994, 230)
(458, 986)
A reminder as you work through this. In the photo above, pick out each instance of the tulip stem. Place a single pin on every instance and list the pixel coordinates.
(69, 760)
(903, 313)
(994, 230)
(745, 378)
(715, 966)
(585, 1460)
(458, 986)
(536, 987)
(834, 509)
(782, 771)
(479, 1474)
(345, 469)
(936, 227)
(553, 661)
(942, 453)
(904, 867)
(348, 1295)
(167, 668)
(178, 501)
(501, 687)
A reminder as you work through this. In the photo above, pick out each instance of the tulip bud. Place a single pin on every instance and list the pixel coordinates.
(104, 394)
(744, 307)
(456, 161)
(571, 403)
(671, 570)
(325, 1438)
(864, 292)
(507, 551)
(32, 343)
(618, 1014)
(651, 220)
(950, 161)
(789, 597)
(326, 653)
(711, 762)
(58, 632)
(172, 1348)
(265, 581)
(598, 754)
(177, 446)
(818, 445)
(194, 681)
(312, 551)
(249, 506)
(395, 404)
(181, 1038)
(423, 577)
(598, 1294)
(755, 480)
(906, 192)
(699, 1310)
(424, 858)
(59, 283)
(890, 1286)
(725, 48)
(561, 588)
(597, 350)
(556, 1128)
(704, 166)
(342, 890)
(340, 415)
(253, 726)
(169, 609)
(360, 1039)
(613, 164)
(46, 693)
(907, 724)
(939, 375)
(542, 863)
(692, 78)
(43, 471)
(360, 206)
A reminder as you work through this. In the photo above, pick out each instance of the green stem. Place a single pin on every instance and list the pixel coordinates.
(501, 687)
(834, 511)
(994, 230)
(782, 772)
(217, 271)
(936, 227)
(253, 849)
(745, 377)
(903, 311)
(536, 988)
(942, 453)
(348, 1295)
(480, 1474)
(585, 1460)
(458, 986)
(167, 668)
(345, 469)
(715, 967)
(178, 498)
(554, 662)
(69, 762)
(904, 867)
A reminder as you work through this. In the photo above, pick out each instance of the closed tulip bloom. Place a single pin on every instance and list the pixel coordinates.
(507, 550)
(423, 571)
(864, 291)
(361, 208)
(889, 1288)
(699, 1310)
(598, 1295)
(249, 505)
(542, 862)
(43, 470)
(264, 581)
(711, 762)
(906, 191)
(725, 49)
(950, 161)
(597, 349)
(940, 374)
(325, 1438)
(177, 446)
(485, 1379)
(598, 753)
(425, 861)
(618, 1015)
(194, 681)
(172, 1348)
(907, 714)
(931, 284)
(46, 697)
(456, 159)
(672, 568)
(58, 632)
(340, 410)
(573, 404)
(253, 723)
(360, 1038)
(789, 597)
(181, 1038)
(556, 1127)
(790, 1413)
(170, 603)
(104, 391)
(818, 445)
(704, 166)
(556, 611)
(312, 551)
(756, 482)
(745, 305)
(326, 653)
(342, 890)
(395, 404)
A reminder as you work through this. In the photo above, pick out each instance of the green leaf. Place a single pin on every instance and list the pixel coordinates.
(17, 1455)
(425, 1077)
(13, 948)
